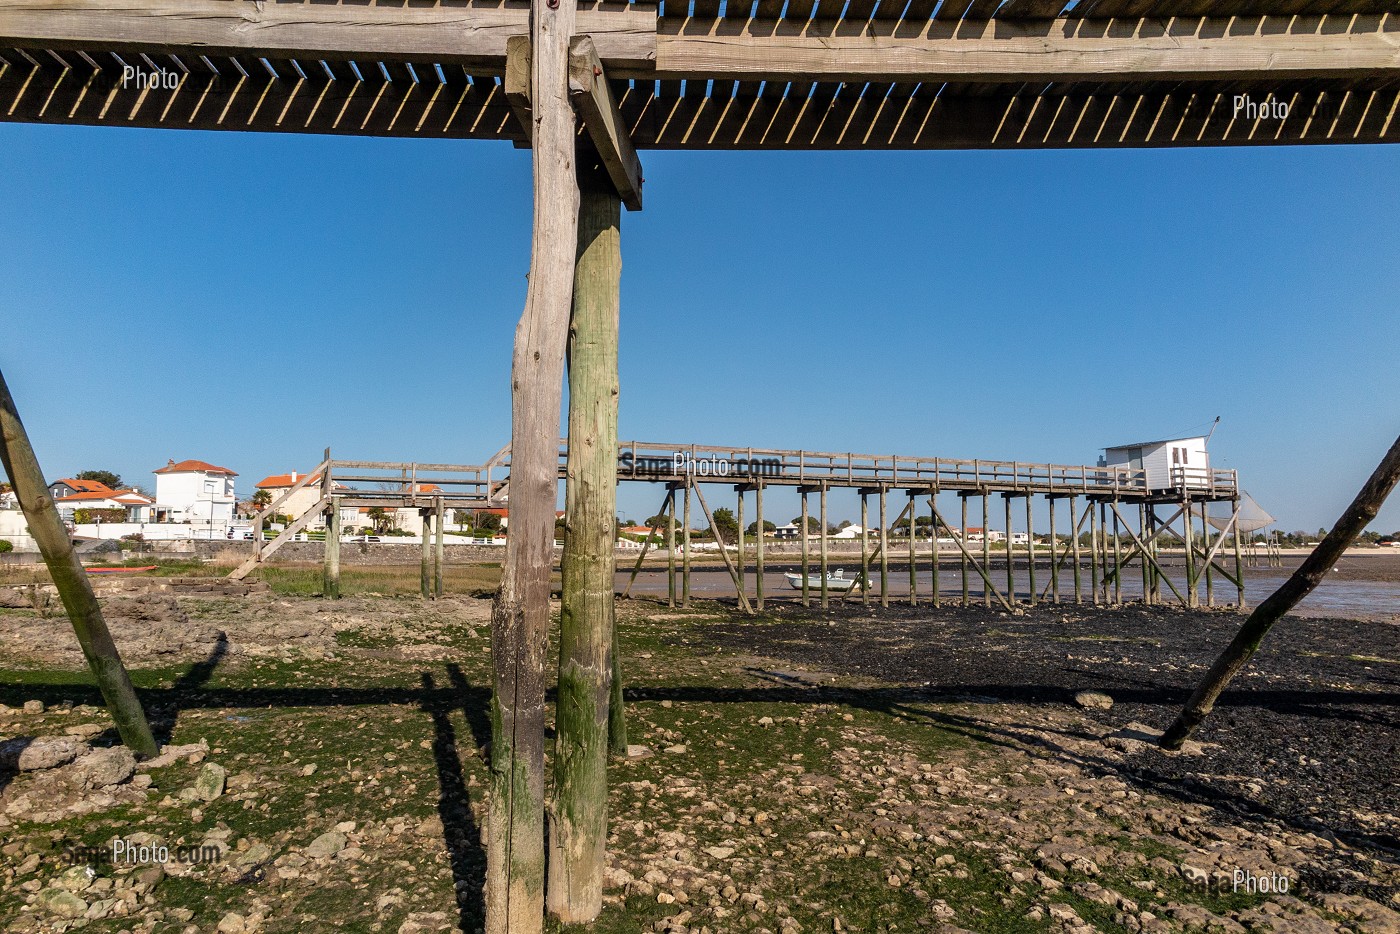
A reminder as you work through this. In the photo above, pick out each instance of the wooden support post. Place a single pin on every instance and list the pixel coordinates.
(864, 549)
(668, 506)
(1093, 551)
(670, 548)
(884, 553)
(1117, 560)
(514, 826)
(439, 526)
(71, 581)
(982, 569)
(739, 516)
(1146, 565)
(1010, 564)
(587, 648)
(1239, 556)
(986, 552)
(1074, 548)
(330, 577)
(685, 548)
(913, 554)
(425, 561)
(933, 540)
(822, 497)
(1189, 543)
(805, 548)
(1310, 573)
(723, 552)
(758, 546)
(1206, 538)
(962, 535)
(1030, 549)
(1054, 568)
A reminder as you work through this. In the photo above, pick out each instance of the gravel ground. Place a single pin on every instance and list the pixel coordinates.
(1308, 735)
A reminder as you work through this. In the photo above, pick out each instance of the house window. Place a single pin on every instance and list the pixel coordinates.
(1184, 452)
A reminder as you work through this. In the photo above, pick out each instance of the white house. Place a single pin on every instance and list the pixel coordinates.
(195, 492)
(304, 498)
(136, 507)
(1169, 464)
(789, 531)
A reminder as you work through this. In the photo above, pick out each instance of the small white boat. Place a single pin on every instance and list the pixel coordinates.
(835, 581)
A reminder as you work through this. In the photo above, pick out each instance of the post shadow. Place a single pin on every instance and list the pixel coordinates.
(460, 832)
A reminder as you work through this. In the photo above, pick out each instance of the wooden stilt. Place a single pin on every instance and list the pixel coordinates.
(822, 496)
(425, 564)
(439, 530)
(884, 553)
(962, 534)
(1206, 540)
(983, 569)
(1054, 545)
(739, 517)
(587, 650)
(758, 545)
(514, 826)
(913, 555)
(864, 549)
(723, 551)
(1093, 550)
(1010, 562)
(1188, 541)
(74, 589)
(1030, 549)
(330, 578)
(685, 549)
(1239, 554)
(1146, 566)
(670, 548)
(986, 551)
(933, 542)
(806, 548)
(1117, 560)
(667, 508)
(1074, 548)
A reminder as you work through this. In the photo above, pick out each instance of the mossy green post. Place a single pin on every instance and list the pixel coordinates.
(579, 827)
(72, 582)
(1309, 574)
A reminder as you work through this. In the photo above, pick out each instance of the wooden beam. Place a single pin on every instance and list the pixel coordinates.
(516, 84)
(1057, 50)
(471, 34)
(588, 87)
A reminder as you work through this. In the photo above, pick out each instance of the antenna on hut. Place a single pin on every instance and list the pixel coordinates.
(1213, 425)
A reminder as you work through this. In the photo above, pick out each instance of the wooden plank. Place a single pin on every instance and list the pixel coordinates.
(473, 34)
(517, 82)
(588, 88)
(1026, 51)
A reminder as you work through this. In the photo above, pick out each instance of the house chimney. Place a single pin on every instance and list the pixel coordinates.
(294, 476)
(170, 462)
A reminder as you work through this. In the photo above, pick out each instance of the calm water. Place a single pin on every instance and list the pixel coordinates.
(1353, 599)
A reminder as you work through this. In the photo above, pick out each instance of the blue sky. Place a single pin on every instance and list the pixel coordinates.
(250, 299)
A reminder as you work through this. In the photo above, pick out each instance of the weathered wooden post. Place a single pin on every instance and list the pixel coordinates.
(439, 530)
(670, 549)
(963, 558)
(884, 552)
(330, 578)
(822, 543)
(1310, 573)
(1206, 539)
(685, 548)
(1030, 550)
(805, 548)
(515, 849)
(1054, 546)
(739, 539)
(74, 588)
(864, 549)
(1074, 548)
(986, 552)
(1239, 556)
(425, 561)
(933, 542)
(578, 828)
(1188, 524)
(758, 546)
(913, 554)
(1010, 564)
(1117, 559)
(1093, 550)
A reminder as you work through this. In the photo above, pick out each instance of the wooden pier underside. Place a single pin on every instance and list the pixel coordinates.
(757, 75)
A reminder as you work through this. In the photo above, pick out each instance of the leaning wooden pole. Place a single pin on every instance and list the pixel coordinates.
(758, 543)
(74, 588)
(520, 617)
(1310, 573)
(425, 560)
(579, 826)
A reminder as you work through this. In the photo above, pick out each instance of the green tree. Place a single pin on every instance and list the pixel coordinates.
(262, 499)
(112, 480)
(379, 518)
(767, 527)
(657, 521)
(814, 525)
(727, 525)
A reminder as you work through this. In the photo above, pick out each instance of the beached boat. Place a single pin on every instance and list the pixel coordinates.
(835, 580)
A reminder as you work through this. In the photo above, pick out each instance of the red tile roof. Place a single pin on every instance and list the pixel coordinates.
(86, 486)
(115, 495)
(194, 467)
(284, 479)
